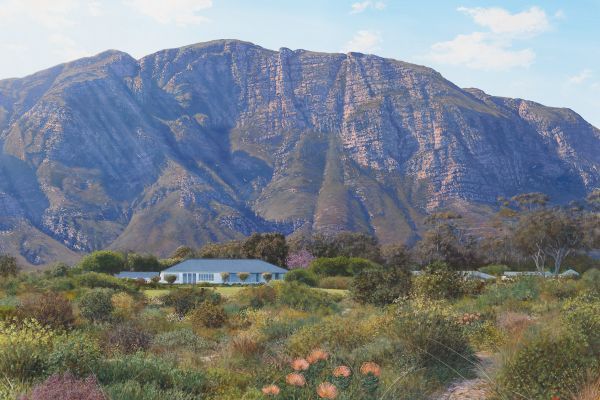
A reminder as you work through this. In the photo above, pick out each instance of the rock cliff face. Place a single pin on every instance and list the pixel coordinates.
(216, 140)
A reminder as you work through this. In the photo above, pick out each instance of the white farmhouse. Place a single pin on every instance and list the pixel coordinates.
(223, 271)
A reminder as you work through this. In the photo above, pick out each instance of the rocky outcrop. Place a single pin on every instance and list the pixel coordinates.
(212, 141)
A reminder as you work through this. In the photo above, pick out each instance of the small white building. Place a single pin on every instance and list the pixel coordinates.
(213, 270)
(146, 276)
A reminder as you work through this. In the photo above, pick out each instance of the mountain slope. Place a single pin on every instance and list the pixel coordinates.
(213, 141)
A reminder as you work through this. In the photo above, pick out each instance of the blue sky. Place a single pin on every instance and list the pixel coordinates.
(547, 51)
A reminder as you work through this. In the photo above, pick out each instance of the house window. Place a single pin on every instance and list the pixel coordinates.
(206, 277)
(189, 278)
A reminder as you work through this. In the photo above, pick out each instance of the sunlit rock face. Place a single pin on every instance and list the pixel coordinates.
(213, 141)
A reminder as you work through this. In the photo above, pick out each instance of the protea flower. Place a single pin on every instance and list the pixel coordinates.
(317, 355)
(370, 368)
(295, 379)
(327, 391)
(342, 372)
(300, 364)
(271, 390)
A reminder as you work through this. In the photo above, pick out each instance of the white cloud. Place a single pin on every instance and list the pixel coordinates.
(479, 50)
(581, 77)
(364, 42)
(493, 49)
(525, 23)
(66, 47)
(179, 12)
(53, 14)
(95, 8)
(361, 6)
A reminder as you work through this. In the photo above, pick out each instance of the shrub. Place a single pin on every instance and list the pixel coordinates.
(24, 349)
(582, 315)
(267, 276)
(127, 338)
(438, 281)
(431, 336)
(257, 296)
(179, 340)
(51, 309)
(495, 269)
(544, 366)
(336, 282)
(303, 276)
(184, 300)
(591, 279)
(208, 315)
(341, 266)
(67, 387)
(107, 261)
(150, 370)
(133, 390)
(98, 280)
(302, 297)
(75, 353)
(379, 286)
(96, 305)
(124, 305)
(170, 279)
(523, 289)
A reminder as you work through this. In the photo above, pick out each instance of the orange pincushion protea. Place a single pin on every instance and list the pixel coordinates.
(342, 371)
(300, 364)
(327, 391)
(370, 368)
(295, 379)
(271, 390)
(317, 355)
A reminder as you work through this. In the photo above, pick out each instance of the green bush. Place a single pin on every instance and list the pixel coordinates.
(150, 370)
(257, 296)
(49, 309)
(126, 338)
(76, 353)
(545, 365)
(107, 261)
(184, 300)
(303, 276)
(302, 297)
(380, 286)
(591, 279)
(430, 336)
(96, 305)
(180, 340)
(341, 266)
(99, 280)
(335, 282)
(495, 269)
(582, 316)
(133, 390)
(438, 281)
(208, 315)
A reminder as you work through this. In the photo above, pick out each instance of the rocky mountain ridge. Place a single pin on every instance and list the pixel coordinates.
(213, 141)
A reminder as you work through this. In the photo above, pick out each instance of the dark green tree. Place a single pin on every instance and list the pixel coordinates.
(105, 261)
(269, 247)
(8, 266)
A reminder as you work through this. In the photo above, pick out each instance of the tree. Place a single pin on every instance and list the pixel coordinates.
(269, 247)
(142, 262)
(183, 252)
(8, 266)
(445, 243)
(225, 277)
(243, 276)
(553, 233)
(106, 261)
(267, 276)
(299, 259)
(341, 266)
(232, 249)
(345, 244)
(396, 256)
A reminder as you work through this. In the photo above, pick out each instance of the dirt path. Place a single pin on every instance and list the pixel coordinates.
(470, 389)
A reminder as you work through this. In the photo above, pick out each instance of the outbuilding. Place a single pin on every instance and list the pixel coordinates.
(223, 271)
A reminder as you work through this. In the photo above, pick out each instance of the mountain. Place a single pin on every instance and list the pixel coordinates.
(216, 140)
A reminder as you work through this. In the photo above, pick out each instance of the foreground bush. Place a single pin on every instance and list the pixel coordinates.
(24, 349)
(96, 305)
(127, 338)
(257, 296)
(302, 297)
(546, 365)
(582, 316)
(208, 315)
(381, 286)
(67, 387)
(184, 300)
(74, 353)
(432, 337)
(437, 282)
(49, 309)
(303, 276)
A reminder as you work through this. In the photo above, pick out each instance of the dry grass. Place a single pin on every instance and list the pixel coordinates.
(591, 391)
(514, 323)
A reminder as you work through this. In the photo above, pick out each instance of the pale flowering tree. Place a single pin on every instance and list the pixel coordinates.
(300, 259)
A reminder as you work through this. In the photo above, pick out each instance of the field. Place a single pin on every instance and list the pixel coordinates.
(390, 335)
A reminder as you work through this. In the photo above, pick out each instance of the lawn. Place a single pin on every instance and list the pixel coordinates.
(230, 291)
